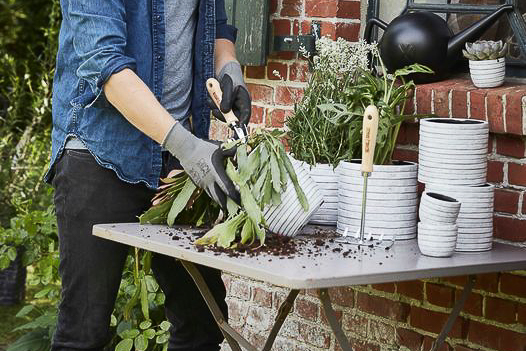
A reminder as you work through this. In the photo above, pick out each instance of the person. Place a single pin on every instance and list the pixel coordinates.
(129, 104)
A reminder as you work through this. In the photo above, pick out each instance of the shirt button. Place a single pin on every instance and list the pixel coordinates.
(158, 17)
(159, 58)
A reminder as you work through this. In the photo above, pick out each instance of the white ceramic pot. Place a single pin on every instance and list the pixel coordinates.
(437, 239)
(453, 151)
(475, 218)
(391, 199)
(488, 73)
(327, 180)
(288, 218)
(438, 208)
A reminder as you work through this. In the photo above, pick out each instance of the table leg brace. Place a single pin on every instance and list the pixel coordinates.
(323, 295)
(454, 313)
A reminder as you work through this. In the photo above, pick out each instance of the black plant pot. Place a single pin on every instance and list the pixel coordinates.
(13, 283)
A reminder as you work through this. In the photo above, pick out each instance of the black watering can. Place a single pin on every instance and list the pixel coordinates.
(425, 38)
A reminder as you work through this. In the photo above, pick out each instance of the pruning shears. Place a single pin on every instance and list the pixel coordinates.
(214, 89)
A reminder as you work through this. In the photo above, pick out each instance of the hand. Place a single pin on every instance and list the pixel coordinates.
(203, 161)
(235, 94)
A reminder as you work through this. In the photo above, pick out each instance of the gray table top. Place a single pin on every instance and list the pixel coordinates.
(319, 261)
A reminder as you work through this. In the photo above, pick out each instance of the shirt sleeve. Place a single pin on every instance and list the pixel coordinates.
(223, 29)
(99, 40)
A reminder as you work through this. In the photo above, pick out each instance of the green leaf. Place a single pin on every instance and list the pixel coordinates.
(124, 345)
(156, 214)
(232, 173)
(35, 340)
(129, 334)
(231, 206)
(247, 231)
(144, 300)
(113, 321)
(149, 333)
(161, 339)
(42, 292)
(25, 310)
(141, 343)
(299, 191)
(165, 325)
(275, 171)
(123, 326)
(252, 165)
(151, 284)
(267, 189)
(145, 324)
(250, 205)
(11, 253)
(242, 161)
(180, 201)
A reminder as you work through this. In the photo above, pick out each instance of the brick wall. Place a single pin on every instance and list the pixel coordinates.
(404, 315)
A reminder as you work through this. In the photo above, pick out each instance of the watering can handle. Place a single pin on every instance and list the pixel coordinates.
(369, 131)
(369, 28)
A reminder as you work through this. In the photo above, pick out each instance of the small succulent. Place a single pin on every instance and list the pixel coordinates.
(485, 50)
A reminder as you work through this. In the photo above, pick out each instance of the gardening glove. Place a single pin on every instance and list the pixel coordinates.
(203, 161)
(235, 94)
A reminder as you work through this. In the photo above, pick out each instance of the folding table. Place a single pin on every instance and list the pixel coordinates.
(307, 270)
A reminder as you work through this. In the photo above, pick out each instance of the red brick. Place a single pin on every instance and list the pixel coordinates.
(255, 72)
(511, 146)
(459, 103)
(281, 26)
(348, 31)
(273, 6)
(281, 68)
(321, 8)
(257, 114)
(328, 29)
(491, 142)
(414, 289)
(387, 287)
(355, 324)
(405, 155)
(514, 112)
(382, 307)
(358, 345)
(441, 102)
(260, 93)
(524, 203)
(521, 314)
(409, 338)
(423, 100)
(433, 322)
(262, 297)
(506, 201)
(496, 338)
(495, 171)
(463, 348)
(307, 309)
(382, 333)
(513, 284)
(288, 95)
(511, 229)
(315, 336)
(488, 282)
(306, 27)
(409, 108)
(291, 8)
(500, 310)
(348, 9)
(477, 100)
(517, 174)
(240, 289)
(428, 342)
(343, 296)
(440, 295)
(299, 72)
(473, 303)
(283, 55)
(459, 280)
(276, 117)
(495, 108)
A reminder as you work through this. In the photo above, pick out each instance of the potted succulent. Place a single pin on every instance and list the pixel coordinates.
(487, 63)
(392, 190)
(314, 139)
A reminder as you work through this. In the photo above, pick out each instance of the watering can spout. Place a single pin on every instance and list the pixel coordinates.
(456, 43)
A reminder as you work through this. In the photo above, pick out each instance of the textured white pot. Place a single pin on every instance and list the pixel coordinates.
(327, 179)
(437, 239)
(475, 218)
(288, 218)
(488, 73)
(438, 208)
(391, 199)
(449, 153)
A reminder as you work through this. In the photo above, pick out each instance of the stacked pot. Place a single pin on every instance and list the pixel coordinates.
(289, 217)
(453, 162)
(327, 179)
(392, 200)
(437, 229)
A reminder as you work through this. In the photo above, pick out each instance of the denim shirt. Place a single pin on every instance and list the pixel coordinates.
(101, 37)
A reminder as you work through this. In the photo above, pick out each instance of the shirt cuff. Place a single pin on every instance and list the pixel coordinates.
(226, 31)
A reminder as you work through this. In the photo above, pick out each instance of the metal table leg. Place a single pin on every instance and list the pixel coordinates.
(233, 338)
(454, 313)
(323, 295)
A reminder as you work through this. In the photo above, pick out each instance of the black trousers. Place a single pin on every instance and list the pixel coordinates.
(91, 267)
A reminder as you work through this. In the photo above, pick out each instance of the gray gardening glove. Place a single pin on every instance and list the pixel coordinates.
(235, 94)
(203, 161)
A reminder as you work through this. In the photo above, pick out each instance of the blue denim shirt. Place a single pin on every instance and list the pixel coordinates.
(101, 37)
